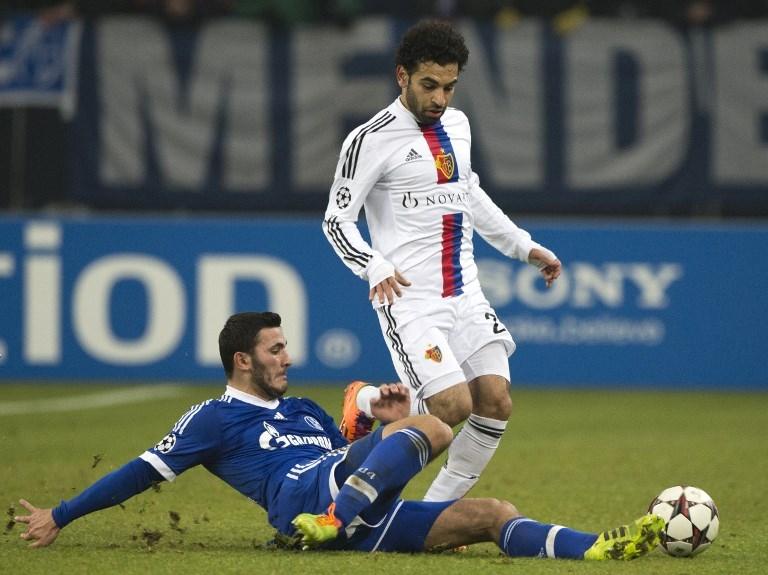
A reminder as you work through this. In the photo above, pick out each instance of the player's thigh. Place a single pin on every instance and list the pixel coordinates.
(487, 363)
(419, 348)
(477, 326)
(487, 371)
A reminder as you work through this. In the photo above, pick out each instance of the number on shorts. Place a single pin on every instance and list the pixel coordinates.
(496, 327)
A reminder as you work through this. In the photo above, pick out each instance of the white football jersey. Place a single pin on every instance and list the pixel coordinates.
(422, 203)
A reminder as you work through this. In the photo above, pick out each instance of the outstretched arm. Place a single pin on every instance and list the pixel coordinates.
(43, 525)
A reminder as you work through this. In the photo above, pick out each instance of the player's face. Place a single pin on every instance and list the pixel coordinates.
(428, 90)
(269, 364)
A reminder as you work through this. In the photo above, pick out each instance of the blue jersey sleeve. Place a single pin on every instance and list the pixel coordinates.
(194, 440)
(112, 489)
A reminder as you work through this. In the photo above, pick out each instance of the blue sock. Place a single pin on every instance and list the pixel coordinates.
(389, 466)
(523, 537)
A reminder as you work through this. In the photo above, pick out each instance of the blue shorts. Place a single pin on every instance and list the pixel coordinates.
(389, 524)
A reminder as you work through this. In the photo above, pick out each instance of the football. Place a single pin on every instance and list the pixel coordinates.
(692, 520)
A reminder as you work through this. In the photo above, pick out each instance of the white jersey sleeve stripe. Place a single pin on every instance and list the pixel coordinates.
(159, 465)
(342, 243)
(356, 141)
(353, 152)
(176, 425)
(187, 417)
(182, 420)
(360, 143)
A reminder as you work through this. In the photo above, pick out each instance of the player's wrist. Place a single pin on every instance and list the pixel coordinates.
(536, 252)
(59, 515)
(378, 270)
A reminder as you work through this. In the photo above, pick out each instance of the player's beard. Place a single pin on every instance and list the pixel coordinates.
(260, 383)
(412, 102)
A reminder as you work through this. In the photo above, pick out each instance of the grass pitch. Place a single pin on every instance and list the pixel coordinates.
(588, 459)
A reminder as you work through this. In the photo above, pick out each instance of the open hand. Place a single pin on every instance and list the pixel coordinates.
(389, 288)
(41, 528)
(394, 403)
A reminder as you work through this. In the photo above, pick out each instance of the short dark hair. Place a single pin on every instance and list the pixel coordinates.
(431, 41)
(241, 333)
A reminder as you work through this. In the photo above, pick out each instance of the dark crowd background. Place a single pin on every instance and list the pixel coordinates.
(46, 169)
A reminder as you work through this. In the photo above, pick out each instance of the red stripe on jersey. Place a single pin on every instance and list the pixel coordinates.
(442, 152)
(451, 252)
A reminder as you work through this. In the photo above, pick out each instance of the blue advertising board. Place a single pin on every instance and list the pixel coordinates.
(144, 298)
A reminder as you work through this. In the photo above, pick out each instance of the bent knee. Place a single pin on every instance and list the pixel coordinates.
(491, 397)
(507, 508)
(444, 433)
(500, 511)
(440, 434)
(500, 409)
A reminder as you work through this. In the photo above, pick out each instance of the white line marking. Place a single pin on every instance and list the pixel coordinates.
(133, 394)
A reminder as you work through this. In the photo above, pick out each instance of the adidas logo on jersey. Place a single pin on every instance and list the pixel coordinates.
(412, 155)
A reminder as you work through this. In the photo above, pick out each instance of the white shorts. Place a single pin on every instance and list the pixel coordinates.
(438, 344)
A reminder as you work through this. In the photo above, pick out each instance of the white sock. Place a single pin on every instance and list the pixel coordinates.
(365, 396)
(468, 455)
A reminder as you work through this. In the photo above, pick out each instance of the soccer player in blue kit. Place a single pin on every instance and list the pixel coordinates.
(287, 455)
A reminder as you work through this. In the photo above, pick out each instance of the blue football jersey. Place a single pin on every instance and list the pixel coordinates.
(251, 444)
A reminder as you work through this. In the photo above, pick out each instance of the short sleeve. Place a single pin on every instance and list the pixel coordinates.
(195, 439)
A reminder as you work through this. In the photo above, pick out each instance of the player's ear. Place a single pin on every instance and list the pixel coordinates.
(402, 76)
(242, 360)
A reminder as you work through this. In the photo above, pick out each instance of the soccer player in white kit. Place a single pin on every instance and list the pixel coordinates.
(410, 168)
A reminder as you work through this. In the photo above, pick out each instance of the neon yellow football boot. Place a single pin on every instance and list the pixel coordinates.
(628, 541)
(317, 529)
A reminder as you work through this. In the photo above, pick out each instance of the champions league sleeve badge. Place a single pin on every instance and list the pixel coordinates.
(343, 197)
(166, 443)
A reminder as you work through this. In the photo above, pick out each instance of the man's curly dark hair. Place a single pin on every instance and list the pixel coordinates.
(432, 41)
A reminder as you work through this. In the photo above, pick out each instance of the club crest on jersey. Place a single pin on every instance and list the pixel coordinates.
(434, 354)
(441, 148)
(166, 443)
(343, 197)
(312, 422)
(445, 164)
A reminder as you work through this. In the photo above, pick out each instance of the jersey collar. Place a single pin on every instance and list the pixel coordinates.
(252, 399)
(404, 110)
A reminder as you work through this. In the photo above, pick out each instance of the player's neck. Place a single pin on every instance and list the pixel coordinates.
(248, 388)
